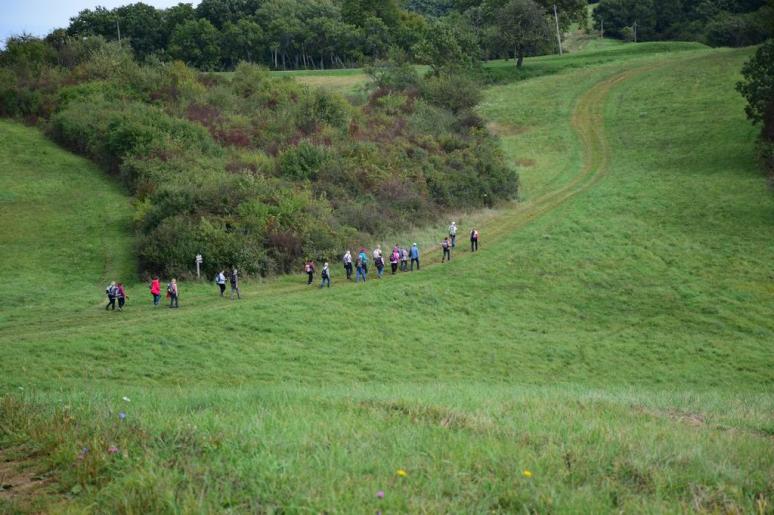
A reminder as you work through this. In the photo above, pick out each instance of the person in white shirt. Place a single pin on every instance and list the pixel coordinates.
(453, 234)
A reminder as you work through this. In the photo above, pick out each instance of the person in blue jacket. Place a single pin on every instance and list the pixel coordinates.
(414, 255)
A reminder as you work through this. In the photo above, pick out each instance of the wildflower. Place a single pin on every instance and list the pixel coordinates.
(122, 415)
(83, 453)
(127, 399)
(380, 494)
(112, 449)
(527, 473)
(401, 473)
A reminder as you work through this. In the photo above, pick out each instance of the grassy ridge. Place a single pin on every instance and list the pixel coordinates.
(616, 346)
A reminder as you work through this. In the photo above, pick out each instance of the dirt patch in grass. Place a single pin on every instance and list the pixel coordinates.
(525, 162)
(20, 482)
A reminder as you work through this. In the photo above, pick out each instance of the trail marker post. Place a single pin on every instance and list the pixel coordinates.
(199, 261)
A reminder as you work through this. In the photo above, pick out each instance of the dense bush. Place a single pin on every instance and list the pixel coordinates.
(715, 22)
(259, 172)
(758, 88)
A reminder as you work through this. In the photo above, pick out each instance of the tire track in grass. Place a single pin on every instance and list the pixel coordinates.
(588, 123)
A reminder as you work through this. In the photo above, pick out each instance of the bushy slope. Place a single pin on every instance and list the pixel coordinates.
(611, 338)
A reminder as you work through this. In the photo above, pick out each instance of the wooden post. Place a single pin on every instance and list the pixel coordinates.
(558, 34)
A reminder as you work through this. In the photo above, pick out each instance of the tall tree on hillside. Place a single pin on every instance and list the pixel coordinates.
(99, 21)
(241, 41)
(196, 42)
(521, 27)
(143, 26)
(448, 44)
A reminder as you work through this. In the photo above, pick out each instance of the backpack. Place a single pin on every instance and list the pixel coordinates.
(379, 262)
(325, 273)
(170, 289)
(445, 244)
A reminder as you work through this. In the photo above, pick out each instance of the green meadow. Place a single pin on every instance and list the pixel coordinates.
(608, 349)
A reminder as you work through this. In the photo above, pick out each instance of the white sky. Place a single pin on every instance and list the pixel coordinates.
(39, 17)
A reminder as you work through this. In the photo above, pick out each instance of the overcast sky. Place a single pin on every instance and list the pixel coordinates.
(39, 17)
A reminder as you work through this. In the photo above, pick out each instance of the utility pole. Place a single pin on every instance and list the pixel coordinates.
(558, 34)
(118, 29)
(602, 32)
(635, 31)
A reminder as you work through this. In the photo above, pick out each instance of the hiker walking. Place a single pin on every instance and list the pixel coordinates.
(453, 234)
(121, 296)
(394, 259)
(347, 259)
(474, 240)
(326, 276)
(220, 280)
(446, 246)
(361, 268)
(414, 255)
(379, 262)
(172, 294)
(155, 290)
(404, 259)
(111, 291)
(364, 260)
(309, 269)
(234, 280)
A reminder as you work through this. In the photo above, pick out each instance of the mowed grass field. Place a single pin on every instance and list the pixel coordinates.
(608, 349)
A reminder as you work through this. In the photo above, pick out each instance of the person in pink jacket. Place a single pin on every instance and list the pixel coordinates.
(155, 290)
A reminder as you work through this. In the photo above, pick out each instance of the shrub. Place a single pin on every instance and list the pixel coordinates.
(453, 92)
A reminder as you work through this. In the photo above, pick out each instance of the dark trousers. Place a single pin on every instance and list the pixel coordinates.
(473, 245)
(394, 267)
(453, 238)
(348, 269)
(325, 280)
(404, 265)
(412, 263)
(311, 277)
(222, 288)
(111, 303)
(446, 255)
(173, 300)
(156, 299)
(121, 302)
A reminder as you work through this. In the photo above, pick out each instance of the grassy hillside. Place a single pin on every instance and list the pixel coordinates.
(65, 228)
(608, 349)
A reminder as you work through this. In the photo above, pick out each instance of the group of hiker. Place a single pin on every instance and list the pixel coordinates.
(400, 258)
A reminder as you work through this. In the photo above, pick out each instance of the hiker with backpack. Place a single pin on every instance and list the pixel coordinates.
(394, 259)
(453, 234)
(111, 291)
(404, 259)
(363, 256)
(172, 294)
(326, 276)
(121, 296)
(309, 270)
(361, 268)
(378, 261)
(347, 259)
(155, 290)
(414, 255)
(234, 279)
(474, 240)
(446, 246)
(220, 280)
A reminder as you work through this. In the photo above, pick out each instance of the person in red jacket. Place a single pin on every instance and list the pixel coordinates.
(121, 295)
(155, 290)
